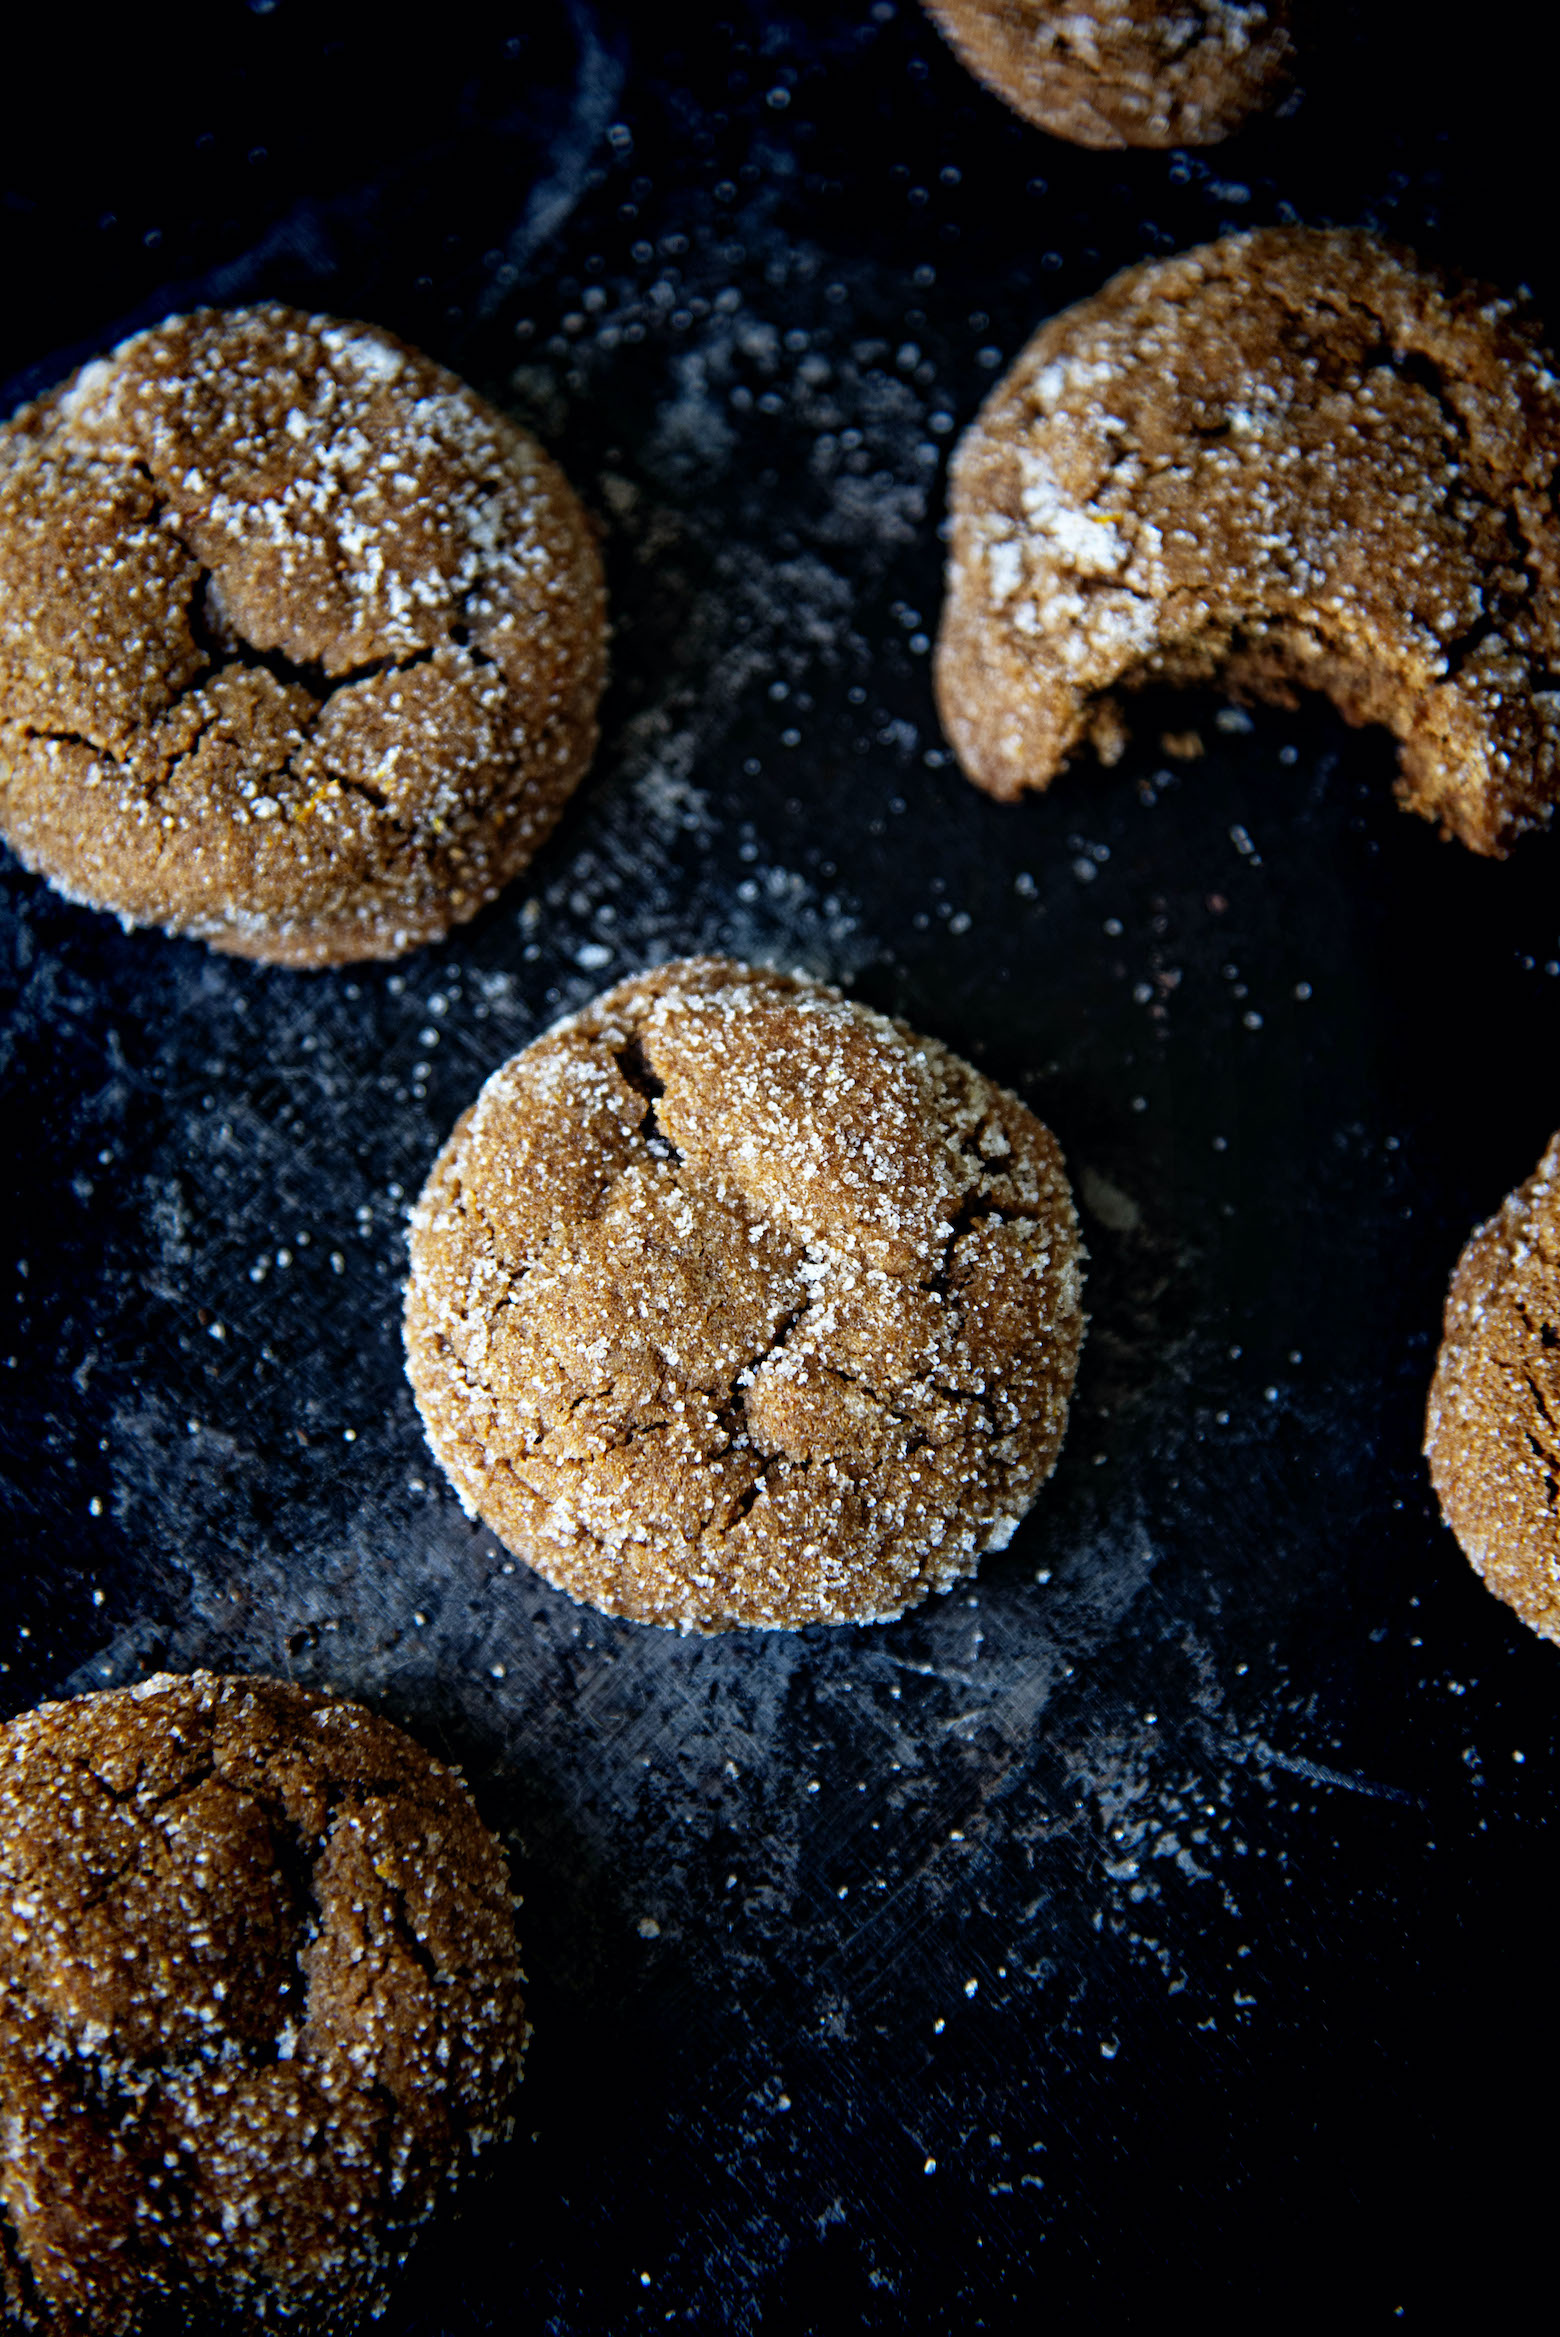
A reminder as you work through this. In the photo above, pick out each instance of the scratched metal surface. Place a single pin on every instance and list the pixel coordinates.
(1166, 1904)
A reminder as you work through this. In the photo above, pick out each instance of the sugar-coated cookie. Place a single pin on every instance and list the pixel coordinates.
(1492, 1431)
(1291, 459)
(259, 2004)
(300, 639)
(1126, 72)
(734, 1303)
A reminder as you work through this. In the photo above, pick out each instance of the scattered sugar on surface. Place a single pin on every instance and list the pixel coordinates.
(646, 1756)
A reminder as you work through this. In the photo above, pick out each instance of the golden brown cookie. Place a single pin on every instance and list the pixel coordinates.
(1290, 459)
(734, 1303)
(1492, 1431)
(1126, 72)
(300, 639)
(259, 2003)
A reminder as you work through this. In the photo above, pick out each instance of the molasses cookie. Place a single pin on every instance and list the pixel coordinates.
(734, 1303)
(1293, 459)
(300, 640)
(1126, 72)
(1492, 1432)
(259, 2004)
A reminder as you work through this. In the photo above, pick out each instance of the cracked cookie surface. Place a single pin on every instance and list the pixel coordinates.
(1126, 72)
(733, 1303)
(1291, 459)
(300, 639)
(1492, 1429)
(259, 2000)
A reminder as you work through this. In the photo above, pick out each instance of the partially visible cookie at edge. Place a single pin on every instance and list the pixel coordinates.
(259, 2005)
(301, 640)
(1294, 459)
(1492, 1427)
(1118, 73)
(733, 1303)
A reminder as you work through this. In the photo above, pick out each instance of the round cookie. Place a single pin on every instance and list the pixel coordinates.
(734, 1303)
(1126, 72)
(300, 639)
(259, 2003)
(1492, 1429)
(1289, 459)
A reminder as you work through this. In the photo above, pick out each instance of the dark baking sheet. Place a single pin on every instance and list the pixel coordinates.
(1165, 1906)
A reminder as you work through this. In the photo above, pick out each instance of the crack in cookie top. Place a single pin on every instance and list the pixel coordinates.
(1126, 72)
(1492, 1426)
(735, 1303)
(1290, 459)
(300, 639)
(259, 2001)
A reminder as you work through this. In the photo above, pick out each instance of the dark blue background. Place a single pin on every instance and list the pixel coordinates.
(1182, 1907)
